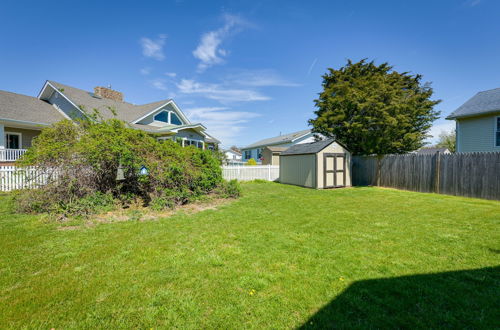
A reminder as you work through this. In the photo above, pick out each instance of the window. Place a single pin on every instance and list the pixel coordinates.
(248, 154)
(197, 144)
(162, 116)
(497, 132)
(259, 153)
(13, 140)
(174, 119)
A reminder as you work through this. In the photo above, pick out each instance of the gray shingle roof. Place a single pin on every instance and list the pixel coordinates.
(481, 103)
(431, 151)
(307, 148)
(124, 111)
(27, 108)
(278, 139)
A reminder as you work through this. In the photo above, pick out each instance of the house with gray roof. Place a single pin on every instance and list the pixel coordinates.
(432, 151)
(23, 117)
(255, 149)
(478, 122)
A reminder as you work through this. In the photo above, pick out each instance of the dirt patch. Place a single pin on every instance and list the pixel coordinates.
(141, 213)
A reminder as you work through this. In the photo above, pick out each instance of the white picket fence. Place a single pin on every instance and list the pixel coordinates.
(248, 173)
(12, 178)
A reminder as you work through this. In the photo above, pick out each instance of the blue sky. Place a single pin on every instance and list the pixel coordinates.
(246, 69)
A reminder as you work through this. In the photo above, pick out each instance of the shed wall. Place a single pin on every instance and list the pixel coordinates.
(332, 148)
(298, 170)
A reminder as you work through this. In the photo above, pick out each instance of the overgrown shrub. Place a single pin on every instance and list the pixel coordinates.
(229, 189)
(83, 162)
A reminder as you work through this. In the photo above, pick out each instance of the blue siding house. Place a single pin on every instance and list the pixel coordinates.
(478, 122)
(255, 149)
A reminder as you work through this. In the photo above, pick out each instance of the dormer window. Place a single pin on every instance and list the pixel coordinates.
(162, 116)
(174, 119)
(168, 117)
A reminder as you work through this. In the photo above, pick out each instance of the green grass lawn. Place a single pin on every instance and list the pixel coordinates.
(279, 257)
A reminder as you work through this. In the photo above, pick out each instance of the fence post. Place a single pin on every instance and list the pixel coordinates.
(379, 170)
(269, 172)
(437, 172)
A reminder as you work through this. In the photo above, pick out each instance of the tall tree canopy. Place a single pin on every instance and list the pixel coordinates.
(374, 109)
(447, 140)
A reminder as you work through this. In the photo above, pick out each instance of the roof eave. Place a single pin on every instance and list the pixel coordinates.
(485, 113)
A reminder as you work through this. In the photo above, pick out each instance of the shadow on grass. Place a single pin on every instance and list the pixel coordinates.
(458, 299)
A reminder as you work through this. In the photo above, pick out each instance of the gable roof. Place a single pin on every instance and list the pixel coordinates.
(431, 151)
(276, 149)
(233, 151)
(287, 138)
(482, 103)
(26, 108)
(307, 148)
(124, 111)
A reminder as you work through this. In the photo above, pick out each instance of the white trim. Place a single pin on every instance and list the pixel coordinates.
(23, 122)
(55, 106)
(176, 129)
(14, 133)
(47, 83)
(176, 108)
(299, 137)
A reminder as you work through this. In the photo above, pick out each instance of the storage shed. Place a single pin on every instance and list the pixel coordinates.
(271, 155)
(323, 164)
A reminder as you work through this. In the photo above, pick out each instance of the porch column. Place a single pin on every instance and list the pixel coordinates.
(2, 136)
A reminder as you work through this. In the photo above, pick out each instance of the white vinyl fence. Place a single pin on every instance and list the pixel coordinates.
(248, 173)
(12, 178)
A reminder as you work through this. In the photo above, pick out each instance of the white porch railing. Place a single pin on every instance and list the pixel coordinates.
(248, 173)
(10, 155)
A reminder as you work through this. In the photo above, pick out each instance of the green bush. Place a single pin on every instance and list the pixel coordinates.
(251, 161)
(86, 158)
(229, 189)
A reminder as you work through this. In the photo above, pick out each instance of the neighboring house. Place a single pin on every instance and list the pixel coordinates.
(432, 151)
(22, 117)
(232, 157)
(478, 123)
(271, 155)
(254, 150)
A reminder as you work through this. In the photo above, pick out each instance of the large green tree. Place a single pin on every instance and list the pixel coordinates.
(447, 140)
(374, 109)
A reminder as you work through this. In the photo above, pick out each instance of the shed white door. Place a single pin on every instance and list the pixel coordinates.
(334, 170)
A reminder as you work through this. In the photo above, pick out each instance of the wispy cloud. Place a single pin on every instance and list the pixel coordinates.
(224, 123)
(159, 84)
(171, 74)
(472, 3)
(219, 92)
(311, 67)
(438, 128)
(145, 71)
(153, 48)
(257, 78)
(209, 51)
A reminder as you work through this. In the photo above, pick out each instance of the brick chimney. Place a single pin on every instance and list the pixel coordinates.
(108, 93)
